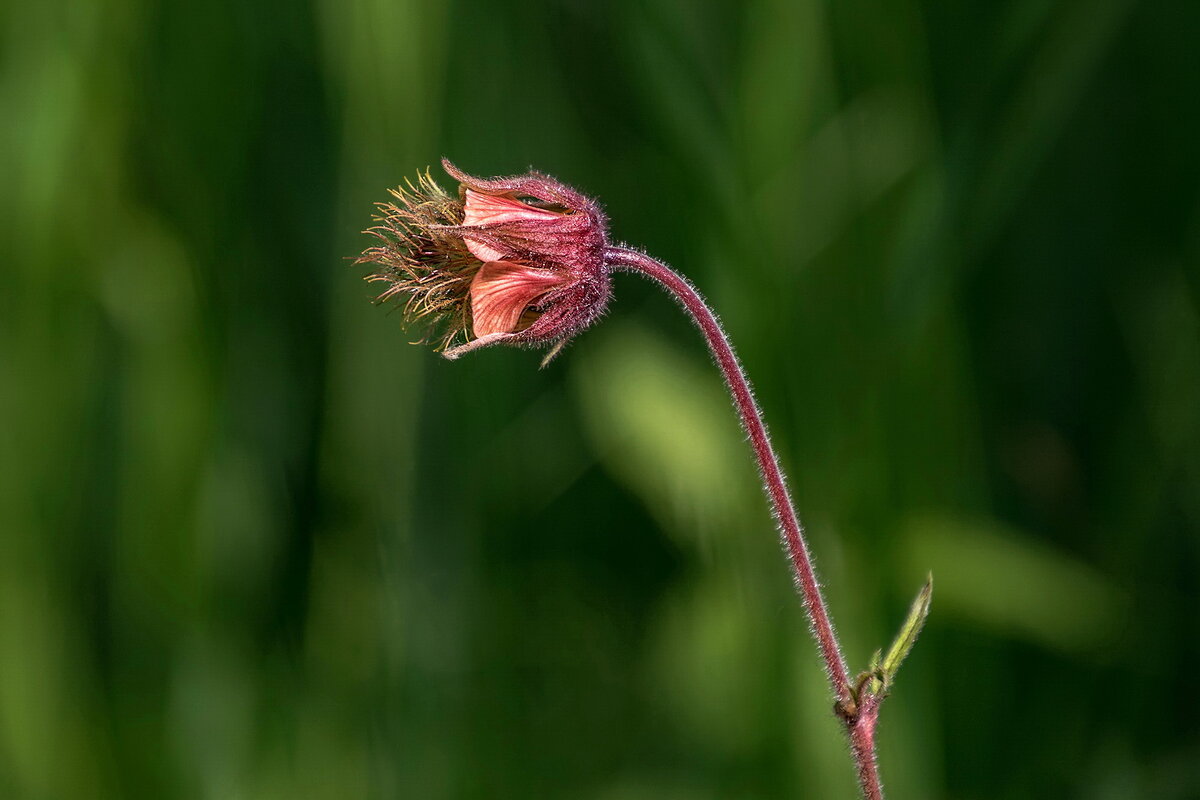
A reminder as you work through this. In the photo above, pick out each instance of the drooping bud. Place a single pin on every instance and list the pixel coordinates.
(516, 260)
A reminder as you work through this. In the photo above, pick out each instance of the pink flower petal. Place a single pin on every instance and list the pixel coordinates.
(486, 209)
(501, 291)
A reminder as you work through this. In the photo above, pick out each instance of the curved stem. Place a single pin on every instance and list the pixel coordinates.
(860, 727)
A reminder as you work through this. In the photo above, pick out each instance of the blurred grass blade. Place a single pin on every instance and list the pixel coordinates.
(907, 637)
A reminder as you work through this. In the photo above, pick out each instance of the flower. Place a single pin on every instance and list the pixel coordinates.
(516, 260)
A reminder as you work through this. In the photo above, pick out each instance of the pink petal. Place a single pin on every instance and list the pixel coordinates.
(501, 291)
(486, 209)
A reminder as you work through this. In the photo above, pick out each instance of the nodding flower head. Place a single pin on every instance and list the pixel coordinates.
(515, 260)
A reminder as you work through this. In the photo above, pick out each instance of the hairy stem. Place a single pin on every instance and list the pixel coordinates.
(860, 727)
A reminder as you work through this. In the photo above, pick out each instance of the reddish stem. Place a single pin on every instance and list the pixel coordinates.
(859, 726)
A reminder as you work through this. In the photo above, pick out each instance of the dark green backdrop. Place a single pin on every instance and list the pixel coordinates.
(254, 545)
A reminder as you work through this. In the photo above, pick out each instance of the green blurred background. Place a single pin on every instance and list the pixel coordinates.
(254, 545)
